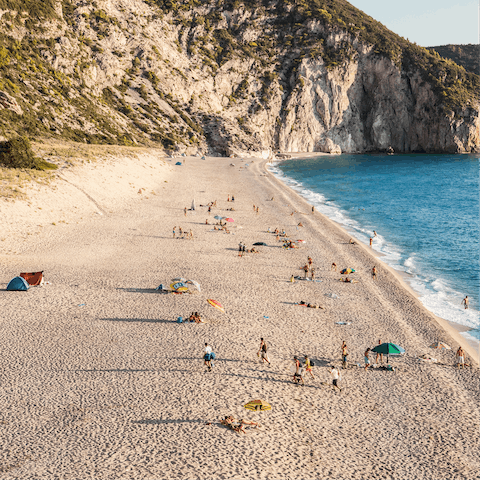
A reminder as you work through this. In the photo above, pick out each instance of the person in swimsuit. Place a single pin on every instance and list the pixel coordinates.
(344, 354)
(236, 425)
(333, 267)
(465, 302)
(262, 351)
(379, 355)
(305, 269)
(174, 231)
(374, 272)
(460, 358)
(308, 366)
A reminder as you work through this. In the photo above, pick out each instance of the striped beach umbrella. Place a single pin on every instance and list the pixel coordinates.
(216, 304)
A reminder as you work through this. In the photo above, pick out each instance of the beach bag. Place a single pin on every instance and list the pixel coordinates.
(212, 356)
(180, 320)
(311, 363)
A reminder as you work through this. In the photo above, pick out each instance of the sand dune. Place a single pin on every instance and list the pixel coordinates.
(98, 381)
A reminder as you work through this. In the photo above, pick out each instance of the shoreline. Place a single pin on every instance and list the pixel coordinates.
(470, 343)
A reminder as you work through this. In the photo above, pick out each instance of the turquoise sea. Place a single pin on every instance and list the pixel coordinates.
(424, 208)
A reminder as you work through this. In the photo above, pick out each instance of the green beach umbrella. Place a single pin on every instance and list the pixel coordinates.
(388, 349)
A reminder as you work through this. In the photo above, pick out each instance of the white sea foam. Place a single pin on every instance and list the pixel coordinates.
(434, 292)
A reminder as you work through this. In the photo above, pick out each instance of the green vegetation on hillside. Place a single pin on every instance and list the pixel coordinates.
(18, 153)
(468, 56)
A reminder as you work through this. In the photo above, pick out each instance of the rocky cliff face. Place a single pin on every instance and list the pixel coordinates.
(228, 79)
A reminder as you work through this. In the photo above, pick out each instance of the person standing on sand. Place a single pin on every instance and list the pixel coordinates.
(209, 209)
(262, 351)
(313, 209)
(185, 211)
(374, 272)
(233, 198)
(367, 360)
(333, 267)
(257, 210)
(371, 241)
(335, 373)
(460, 358)
(309, 261)
(465, 302)
(344, 355)
(379, 355)
(254, 208)
(312, 273)
(174, 231)
(305, 269)
(297, 376)
(208, 357)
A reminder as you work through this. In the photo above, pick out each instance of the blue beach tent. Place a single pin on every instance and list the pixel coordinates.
(18, 283)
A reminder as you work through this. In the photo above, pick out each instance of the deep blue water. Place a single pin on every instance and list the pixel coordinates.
(424, 208)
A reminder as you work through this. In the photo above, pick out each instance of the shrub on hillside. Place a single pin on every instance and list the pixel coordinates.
(18, 153)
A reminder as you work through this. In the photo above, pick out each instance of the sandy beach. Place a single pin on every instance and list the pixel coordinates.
(99, 381)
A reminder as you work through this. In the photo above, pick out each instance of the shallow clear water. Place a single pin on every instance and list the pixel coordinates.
(424, 208)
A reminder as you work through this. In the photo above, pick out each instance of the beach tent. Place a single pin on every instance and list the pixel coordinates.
(178, 163)
(34, 278)
(18, 283)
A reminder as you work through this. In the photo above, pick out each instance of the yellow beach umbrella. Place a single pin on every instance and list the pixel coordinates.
(257, 405)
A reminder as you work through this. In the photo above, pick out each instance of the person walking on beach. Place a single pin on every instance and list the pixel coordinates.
(465, 302)
(208, 357)
(374, 272)
(309, 261)
(371, 241)
(460, 356)
(174, 231)
(209, 209)
(335, 373)
(379, 355)
(257, 210)
(313, 209)
(297, 376)
(344, 355)
(308, 366)
(262, 351)
(254, 208)
(312, 273)
(185, 211)
(228, 199)
(367, 360)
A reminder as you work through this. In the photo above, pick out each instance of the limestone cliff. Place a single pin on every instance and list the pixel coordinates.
(229, 77)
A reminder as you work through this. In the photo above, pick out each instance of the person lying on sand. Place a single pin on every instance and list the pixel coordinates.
(309, 305)
(348, 280)
(300, 224)
(236, 425)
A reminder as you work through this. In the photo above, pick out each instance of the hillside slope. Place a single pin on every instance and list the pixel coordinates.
(229, 77)
(468, 56)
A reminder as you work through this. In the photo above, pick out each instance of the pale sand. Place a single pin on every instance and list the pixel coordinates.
(115, 389)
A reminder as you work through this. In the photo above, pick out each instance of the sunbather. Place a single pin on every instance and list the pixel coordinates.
(236, 425)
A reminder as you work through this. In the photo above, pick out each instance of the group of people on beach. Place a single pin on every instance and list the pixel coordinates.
(182, 233)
